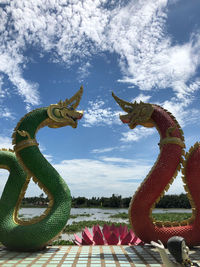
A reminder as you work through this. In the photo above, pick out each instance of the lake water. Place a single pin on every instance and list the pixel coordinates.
(94, 214)
(90, 215)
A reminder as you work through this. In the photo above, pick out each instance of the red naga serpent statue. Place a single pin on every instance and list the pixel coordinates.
(170, 160)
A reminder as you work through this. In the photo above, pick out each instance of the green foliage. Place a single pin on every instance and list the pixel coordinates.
(171, 217)
(115, 201)
(174, 201)
(62, 243)
(80, 215)
(30, 202)
(80, 226)
(122, 215)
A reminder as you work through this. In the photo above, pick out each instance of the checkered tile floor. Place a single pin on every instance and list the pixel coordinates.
(85, 256)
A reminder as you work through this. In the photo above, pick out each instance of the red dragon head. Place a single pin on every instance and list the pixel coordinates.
(138, 113)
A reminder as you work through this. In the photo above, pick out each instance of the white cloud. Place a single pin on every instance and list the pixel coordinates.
(103, 150)
(3, 179)
(178, 107)
(102, 177)
(121, 160)
(74, 30)
(32, 190)
(96, 114)
(152, 61)
(148, 57)
(177, 187)
(109, 149)
(6, 142)
(141, 97)
(1, 83)
(137, 134)
(10, 65)
(83, 71)
(6, 113)
(48, 157)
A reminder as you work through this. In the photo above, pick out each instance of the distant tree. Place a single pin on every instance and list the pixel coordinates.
(115, 201)
(105, 202)
(81, 201)
(41, 195)
(174, 201)
(126, 202)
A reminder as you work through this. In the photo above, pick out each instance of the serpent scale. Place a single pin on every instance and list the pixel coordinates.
(170, 160)
(25, 162)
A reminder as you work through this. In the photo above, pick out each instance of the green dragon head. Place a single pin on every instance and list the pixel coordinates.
(138, 113)
(64, 113)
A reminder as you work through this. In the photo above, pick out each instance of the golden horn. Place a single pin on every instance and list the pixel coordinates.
(76, 98)
(123, 104)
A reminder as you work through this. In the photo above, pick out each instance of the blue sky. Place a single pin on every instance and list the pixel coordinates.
(145, 50)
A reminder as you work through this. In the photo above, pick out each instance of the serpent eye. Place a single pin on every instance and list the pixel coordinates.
(57, 113)
(135, 112)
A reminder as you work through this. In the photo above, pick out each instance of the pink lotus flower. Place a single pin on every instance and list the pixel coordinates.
(109, 235)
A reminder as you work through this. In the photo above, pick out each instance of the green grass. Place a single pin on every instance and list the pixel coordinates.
(86, 214)
(80, 215)
(172, 217)
(122, 215)
(62, 243)
(80, 226)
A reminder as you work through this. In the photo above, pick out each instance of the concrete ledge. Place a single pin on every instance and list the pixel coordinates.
(85, 256)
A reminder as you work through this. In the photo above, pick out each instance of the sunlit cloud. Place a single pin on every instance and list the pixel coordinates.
(3, 179)
(6, 142)
(83, 71)
(137, 134)
(6, 113)
(141, 97)
(10, 65)
(103, 150)
(98, 114)
(100, 177)
(135, 31)
(75, 31)
(109, 149)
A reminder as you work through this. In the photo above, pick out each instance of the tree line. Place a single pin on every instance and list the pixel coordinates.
(115, 201)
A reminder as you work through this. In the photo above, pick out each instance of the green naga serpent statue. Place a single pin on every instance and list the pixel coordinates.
(26, 162)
